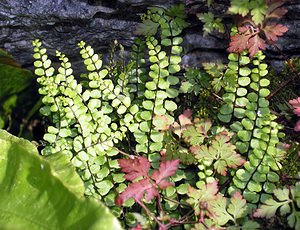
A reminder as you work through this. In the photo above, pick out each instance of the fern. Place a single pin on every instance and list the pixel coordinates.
(84, 119)
(156, 91)
(115, 104)
(257, 134)
(119, 122)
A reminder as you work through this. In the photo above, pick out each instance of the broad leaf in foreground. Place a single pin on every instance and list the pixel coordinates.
(36, 196)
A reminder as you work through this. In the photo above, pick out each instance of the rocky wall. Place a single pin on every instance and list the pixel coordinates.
(61, 24)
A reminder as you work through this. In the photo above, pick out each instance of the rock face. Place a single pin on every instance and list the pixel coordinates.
(61, 24)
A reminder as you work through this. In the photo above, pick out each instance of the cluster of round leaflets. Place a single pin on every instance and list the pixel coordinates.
(257, 134)
(90, 119)
(118, 124)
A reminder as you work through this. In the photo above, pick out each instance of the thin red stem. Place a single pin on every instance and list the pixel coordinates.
(161, 225)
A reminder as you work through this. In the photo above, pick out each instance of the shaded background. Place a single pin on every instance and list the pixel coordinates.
(61, 24)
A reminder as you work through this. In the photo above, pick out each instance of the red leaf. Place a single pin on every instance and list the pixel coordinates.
(137, 190)
(255, 44)
(278, 13)
(206, 193)
(177, 129)
(273, 31)
(138, 227)
(297, 126)
(119, 201)
(165, 184)
(211, 188)
(134, 168)
(274, 8)
(186, 118)
(239, 43)
(165, 170)
(296, 105)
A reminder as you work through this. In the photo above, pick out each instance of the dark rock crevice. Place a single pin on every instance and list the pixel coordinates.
(61, 24)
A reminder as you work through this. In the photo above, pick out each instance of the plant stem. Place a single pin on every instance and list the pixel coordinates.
(126, 154)
(161, 225)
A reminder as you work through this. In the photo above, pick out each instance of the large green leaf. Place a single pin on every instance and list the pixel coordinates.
(13, 80)
(36, 195)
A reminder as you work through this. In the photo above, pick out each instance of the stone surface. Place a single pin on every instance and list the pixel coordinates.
(61, 24)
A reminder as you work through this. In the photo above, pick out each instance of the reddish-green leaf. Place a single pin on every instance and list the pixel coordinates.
(200, 198)
(237, 207)
(196, 134)
(137, 190)
(161, 122)
(221, 152)
(220, 214)
(139, 166)
(255, 44)
(185, 120)
(166, 169)
(296, 105)
(238, 42)
(274, 8)
(273, 31)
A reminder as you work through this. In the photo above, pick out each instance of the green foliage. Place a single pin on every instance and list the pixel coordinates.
(257, 9)
(113, 105)
(207, 202)
(216, 71)
(84, 127)
(257, 134)
(13, 81)
(287, 203)
(210, 23)
(48, 193)
(129, 122)
(194, 81)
